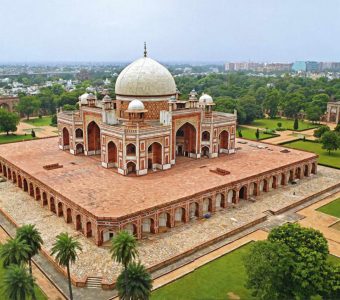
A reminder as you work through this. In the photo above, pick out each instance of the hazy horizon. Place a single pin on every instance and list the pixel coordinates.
(187, 31)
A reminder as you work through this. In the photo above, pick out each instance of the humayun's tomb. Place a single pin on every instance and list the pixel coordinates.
(147, 161)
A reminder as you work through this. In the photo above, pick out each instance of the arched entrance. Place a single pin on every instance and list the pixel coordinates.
(93, 138)
(130, 150)
(31, 189)
(5, 106)
(224, 141)
(283, 179)
(205, 151)
(186, 140)
(220, 201)
(205, 136)
(148, 226)
(60, 209)
(107, 235)
(112, 154)
(66, 138)
(313, 171)
(155, 156)
(243, 193)
(306, 171)
(179, 215)
(79, 133)
(19, 181)
(131, 168)
(79, 149)
(298, 173)
(25, 185)
(79, 225)
(89, 229)
(9, 174)
(131, 228)
(231, 196)
(52, 205)
(164, 222)
(253, 189)
(44, 196)
(207, 206)
(193, 210)
(69, 215)
(37, 194)
(14, 177)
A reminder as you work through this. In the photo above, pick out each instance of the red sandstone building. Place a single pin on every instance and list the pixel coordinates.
(192, 163)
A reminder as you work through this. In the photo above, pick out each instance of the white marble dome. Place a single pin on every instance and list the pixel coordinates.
(145, 77)
(83, 98)
(206, 99)
(136, 105)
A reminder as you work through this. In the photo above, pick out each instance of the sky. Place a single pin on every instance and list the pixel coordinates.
(174, 30)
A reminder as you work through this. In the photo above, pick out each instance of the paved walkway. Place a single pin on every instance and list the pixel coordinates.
(287, 135)
(42, 281)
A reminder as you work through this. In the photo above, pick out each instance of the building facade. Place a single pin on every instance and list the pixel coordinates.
(333, 112)
(146, 127)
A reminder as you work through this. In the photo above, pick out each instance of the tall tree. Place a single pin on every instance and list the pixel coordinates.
(18, 284)
(134, 283)
(330, 141)
(8, 121)
(65, 250)
(291, 264)
(31, 236)
(28, 105)
(124, 249)
(14, 251)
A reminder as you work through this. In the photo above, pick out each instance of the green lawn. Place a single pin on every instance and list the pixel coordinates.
(249, 133)
(329, 160)
(39, 294)
(332, 208)
(211, 281)
(4, 139)
(44, 121)
(286, 123)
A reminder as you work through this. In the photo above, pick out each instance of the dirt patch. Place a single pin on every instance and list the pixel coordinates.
(233, 296)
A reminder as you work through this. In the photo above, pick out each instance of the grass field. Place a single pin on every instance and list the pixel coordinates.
(38, 293)
(211, 281)
(288, 124)
(332, 160)
(4, 139)
(44, 121)
(332, 208)
(249, 133)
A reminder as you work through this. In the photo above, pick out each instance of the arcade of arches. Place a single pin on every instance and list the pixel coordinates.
(162, 219)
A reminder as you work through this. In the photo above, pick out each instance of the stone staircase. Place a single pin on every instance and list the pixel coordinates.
(94, 282)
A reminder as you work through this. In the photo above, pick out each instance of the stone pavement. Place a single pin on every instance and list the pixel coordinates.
(42, 281)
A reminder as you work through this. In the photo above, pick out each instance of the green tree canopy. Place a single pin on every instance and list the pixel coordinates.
(134, 283)
(14, 251)
(28, 105)
(330, 141)
(8, 121)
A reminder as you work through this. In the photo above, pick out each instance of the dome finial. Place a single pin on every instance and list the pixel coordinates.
(145, 52)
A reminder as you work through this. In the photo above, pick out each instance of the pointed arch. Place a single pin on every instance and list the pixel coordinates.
(93, 137)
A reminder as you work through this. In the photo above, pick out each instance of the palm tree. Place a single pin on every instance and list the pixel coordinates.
(134, 283)
(18, 284)
(14, 251)
(124, 249)
(31, 236)
(65, 251)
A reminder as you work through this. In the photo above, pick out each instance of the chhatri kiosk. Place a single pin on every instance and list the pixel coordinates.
(146, 127)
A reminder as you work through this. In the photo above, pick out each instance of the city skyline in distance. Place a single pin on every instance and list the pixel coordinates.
(209, 31)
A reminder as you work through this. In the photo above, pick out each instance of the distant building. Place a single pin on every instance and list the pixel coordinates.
(333, 112)
(305, 66)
